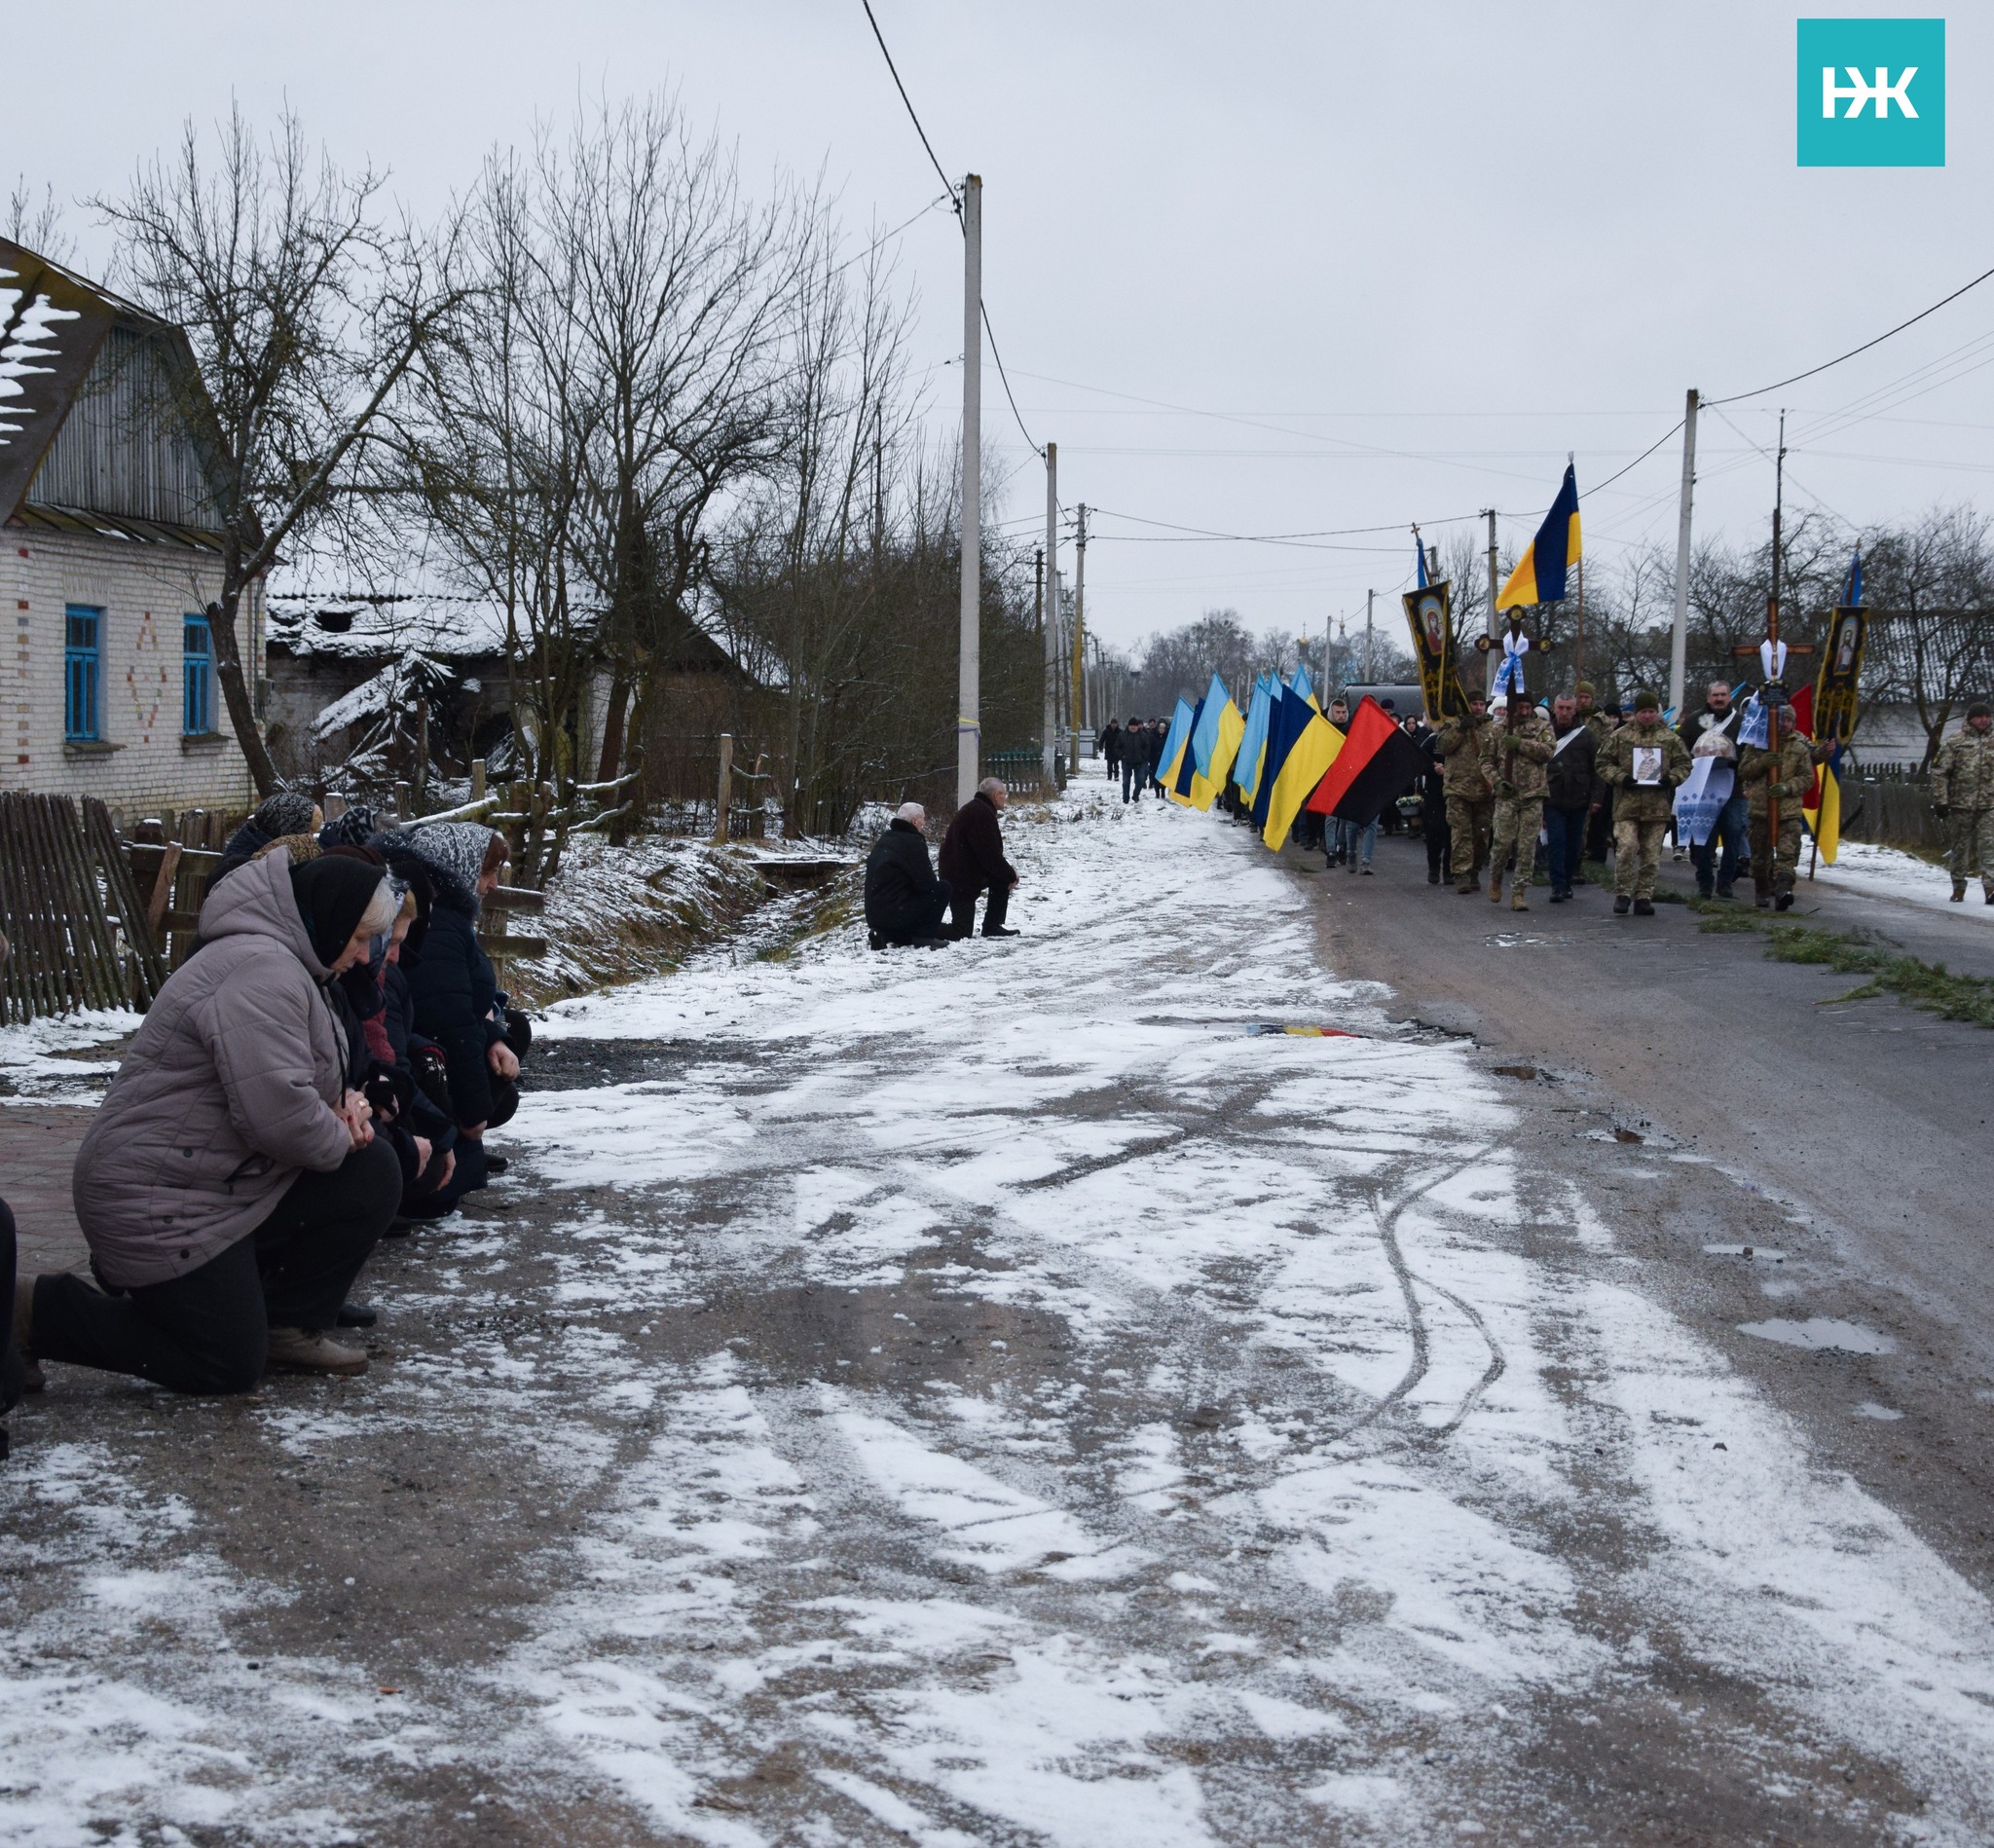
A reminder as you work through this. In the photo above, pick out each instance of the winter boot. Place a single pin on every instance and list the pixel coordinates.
(32, 1379)
(1643, 908)
(1783, 903)
(1518, 902)
(1622, 904)
(310, 1351)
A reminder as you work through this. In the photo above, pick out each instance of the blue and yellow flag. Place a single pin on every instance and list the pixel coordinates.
(1174, 741)
(1215, 739)
(1178, 788)
(1540, 575)
(1824, 818)
(1246, 762)
(1303, 686)
(1307, 759)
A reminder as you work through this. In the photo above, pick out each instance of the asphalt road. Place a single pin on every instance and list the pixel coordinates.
(1864, 1124)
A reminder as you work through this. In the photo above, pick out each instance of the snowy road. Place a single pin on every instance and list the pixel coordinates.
(994, 1396)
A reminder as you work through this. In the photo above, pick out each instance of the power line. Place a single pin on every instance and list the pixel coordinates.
(1713, 403)
(954, 196)
(1197, 534)
(1639, 460)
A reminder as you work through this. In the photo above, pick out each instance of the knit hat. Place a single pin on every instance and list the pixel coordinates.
(1585, 686)
(1645, 697)
(287, 812)
(1978, 710)
(333, 893)
(351, 830)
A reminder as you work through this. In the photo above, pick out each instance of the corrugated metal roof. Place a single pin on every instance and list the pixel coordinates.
(116, 526)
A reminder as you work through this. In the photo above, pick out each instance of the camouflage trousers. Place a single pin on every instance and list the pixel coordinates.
(1637, 856)
(1782, 867)
(1518, 819)
(1970, 846)
(1468, 825)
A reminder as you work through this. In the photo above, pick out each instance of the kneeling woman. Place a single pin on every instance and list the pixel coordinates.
(230, 1187)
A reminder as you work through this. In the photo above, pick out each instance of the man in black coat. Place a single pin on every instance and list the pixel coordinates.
(1571, 788)
(973, 860)
(1159, 736)
(904, 902)
(1111, 748)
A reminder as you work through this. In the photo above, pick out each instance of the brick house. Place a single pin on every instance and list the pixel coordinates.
(110, 559)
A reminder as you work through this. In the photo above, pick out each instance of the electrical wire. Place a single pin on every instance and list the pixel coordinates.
(953, 195)
(1778, 384)
(1197, 534)
(1639, 460)
(955, 198)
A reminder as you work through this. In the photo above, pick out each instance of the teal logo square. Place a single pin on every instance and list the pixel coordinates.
(1871, 92)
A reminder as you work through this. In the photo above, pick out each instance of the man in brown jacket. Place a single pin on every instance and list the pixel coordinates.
(972, 860)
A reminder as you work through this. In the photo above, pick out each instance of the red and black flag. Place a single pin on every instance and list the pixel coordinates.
(1375, 767)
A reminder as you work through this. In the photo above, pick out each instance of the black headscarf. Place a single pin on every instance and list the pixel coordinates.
(333, 893)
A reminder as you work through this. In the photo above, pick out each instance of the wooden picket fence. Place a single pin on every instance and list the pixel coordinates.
(71, 912)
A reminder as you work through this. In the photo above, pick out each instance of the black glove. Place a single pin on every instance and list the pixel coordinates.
(1943, 810)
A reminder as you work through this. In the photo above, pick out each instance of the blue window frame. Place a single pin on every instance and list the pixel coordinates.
(83, 674)
(197, 677)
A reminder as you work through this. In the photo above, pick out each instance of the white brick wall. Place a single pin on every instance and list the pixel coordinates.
(143, 591)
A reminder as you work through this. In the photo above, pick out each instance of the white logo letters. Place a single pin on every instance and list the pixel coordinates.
(1883, 92)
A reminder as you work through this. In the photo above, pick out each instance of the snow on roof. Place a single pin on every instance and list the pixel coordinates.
(363, 629)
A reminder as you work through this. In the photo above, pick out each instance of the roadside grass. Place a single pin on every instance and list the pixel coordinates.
(1927, 985)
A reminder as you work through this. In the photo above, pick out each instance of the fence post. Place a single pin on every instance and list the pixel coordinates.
(477, 779)
(721, 813)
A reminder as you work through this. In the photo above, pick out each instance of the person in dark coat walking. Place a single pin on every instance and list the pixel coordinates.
(1431, 787)
(1159, 736)
(1571, 791)
(904, 902)
(973, 860)
(1135, 759)
(1111, 749)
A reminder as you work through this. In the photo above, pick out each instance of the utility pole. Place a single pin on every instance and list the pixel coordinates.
(1049, 728)
(1078, 633)
(1678, 634)
(1495, 654)
(1370, 664)
(969, 727)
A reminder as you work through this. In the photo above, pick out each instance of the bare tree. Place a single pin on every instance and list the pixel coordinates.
(37, 227)
(304, 310)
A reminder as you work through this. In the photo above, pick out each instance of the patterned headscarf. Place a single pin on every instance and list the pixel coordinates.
(355, 829)
(456, 849)
(287, 812)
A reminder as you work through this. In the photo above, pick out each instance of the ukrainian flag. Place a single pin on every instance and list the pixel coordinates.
(1824, 817)
(1174, 741)
(1214, 738)
(1541, 577)
(1314, 748)
(1252, 752)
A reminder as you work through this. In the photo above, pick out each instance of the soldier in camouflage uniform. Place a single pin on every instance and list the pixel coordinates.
(1963, 795)
(1641, 806)
(1772, 873)
(1466, 749)
(1521, 755)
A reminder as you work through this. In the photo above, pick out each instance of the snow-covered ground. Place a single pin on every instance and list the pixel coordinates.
(1117, 1426)
(1892, 873)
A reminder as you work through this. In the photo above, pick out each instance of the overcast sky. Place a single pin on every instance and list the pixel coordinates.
(1389, 262)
